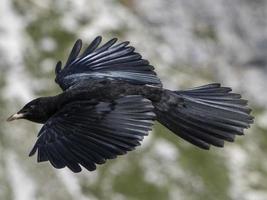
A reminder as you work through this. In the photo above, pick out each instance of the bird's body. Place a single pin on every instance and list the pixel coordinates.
(99, 91)
(110, 99)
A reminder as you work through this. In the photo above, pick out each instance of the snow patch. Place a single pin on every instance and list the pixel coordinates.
(12, 26)
(23, 186)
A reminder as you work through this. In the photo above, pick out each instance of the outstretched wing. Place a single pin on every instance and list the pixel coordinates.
(110, 61)
(86, 133)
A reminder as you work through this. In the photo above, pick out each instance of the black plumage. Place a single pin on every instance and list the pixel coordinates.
(110, 100)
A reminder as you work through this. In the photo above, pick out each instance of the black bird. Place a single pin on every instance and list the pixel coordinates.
(110, 100)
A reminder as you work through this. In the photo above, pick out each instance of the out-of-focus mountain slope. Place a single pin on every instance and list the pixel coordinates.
(190, 43)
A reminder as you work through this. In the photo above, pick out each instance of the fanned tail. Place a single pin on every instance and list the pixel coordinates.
(204, 116)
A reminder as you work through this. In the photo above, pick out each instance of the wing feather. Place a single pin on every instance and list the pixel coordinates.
(86, 133)
(110, 61)
(75, 51)
(92, 46)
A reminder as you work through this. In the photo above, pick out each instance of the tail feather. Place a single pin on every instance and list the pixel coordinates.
(204, 116)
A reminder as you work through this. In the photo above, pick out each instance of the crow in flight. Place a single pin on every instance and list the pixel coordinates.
(110, 100)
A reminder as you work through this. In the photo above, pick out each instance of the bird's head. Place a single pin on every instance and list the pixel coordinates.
(36, 111)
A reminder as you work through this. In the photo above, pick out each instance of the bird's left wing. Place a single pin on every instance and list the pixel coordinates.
(86, 133)
(109, 61)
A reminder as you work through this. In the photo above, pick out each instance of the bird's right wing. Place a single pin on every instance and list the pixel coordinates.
(87, 133)
(110, 61)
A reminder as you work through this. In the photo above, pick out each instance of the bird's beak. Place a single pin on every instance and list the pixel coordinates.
(15, 116)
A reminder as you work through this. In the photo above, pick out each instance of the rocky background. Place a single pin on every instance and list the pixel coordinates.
(190, 43)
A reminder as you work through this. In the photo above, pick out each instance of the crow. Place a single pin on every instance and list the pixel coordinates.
(110, 100)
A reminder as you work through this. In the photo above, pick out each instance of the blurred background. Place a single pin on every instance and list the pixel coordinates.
(190, 43)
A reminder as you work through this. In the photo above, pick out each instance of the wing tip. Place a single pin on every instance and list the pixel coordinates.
(99, 37)
(58, 67)
(79, 41)
(33, 151)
